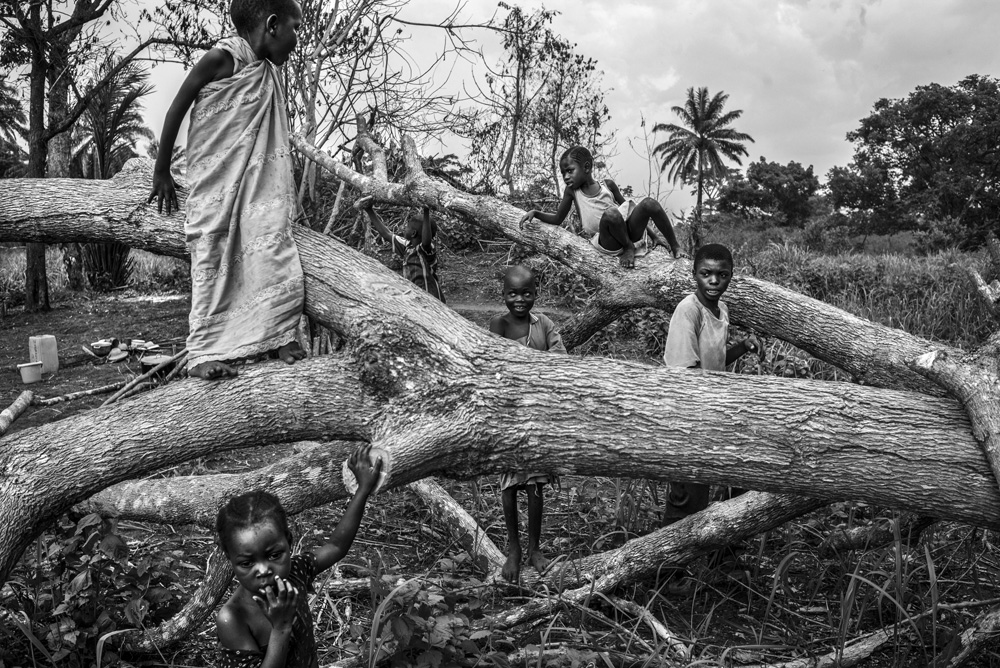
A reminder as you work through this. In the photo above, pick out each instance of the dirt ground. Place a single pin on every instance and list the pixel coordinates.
(76, 320)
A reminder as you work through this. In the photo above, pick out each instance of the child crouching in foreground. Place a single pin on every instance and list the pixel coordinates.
(538, 332)
(696, 339)
(267, 622)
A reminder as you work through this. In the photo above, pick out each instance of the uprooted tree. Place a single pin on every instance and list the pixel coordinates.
(442, 396)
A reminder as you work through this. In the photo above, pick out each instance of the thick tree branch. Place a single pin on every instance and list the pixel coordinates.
(670, 547)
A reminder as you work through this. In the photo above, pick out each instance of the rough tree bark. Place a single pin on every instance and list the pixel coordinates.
(442, 395)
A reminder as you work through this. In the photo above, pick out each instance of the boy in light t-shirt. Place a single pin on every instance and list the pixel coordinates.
(696, 339)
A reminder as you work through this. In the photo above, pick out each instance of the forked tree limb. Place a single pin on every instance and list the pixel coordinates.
(874, 354)
(409, 355)
(443, 396)
(115, 210)
(974, 378)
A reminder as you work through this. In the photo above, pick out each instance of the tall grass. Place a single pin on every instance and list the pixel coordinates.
(151, 273)
(929, 296)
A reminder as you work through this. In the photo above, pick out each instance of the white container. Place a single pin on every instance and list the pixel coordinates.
(43, 349)
(31, 372)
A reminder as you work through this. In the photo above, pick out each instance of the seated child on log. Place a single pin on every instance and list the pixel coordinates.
(415, 246)
(616, 226)
(247, 290)
(539, 332)
(696, 339)
(267, 622)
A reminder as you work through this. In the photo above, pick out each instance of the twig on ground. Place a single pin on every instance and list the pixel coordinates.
(138, 379)
(876, 535)
(104, 389)
(534, 654)
(659, 629)
(970, 641)
(12, 412)
(852, 654)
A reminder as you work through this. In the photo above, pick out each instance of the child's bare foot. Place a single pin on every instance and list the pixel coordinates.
(512, 567)
(213, 371)
(291, 352)
(627, 258)
(538, 561)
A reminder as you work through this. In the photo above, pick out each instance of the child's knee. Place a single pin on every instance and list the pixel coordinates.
(610, 219)
(649, 205)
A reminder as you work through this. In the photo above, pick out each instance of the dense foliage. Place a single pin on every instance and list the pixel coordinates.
(929, 161)
(783, 193)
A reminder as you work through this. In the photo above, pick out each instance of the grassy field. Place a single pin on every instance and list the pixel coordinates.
(772, 598)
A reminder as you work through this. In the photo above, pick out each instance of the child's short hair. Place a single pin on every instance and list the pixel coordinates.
(247, 510)
(716, 252)
(248, 14)
(578, 154)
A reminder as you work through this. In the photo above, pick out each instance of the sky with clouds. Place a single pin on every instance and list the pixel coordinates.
(804, 72)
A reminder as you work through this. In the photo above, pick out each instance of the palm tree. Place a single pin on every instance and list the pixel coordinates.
(694, 151)
(112, 125)
(13, 128)
(110, 130)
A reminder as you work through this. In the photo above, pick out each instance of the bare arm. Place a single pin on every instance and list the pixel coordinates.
(427, 232)
(279, 607)
(379, 226)
(749, 345)
(551, 218)
(214, 65)
(343, 536)
(613, 188)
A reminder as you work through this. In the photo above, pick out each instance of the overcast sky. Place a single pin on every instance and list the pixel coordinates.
(804, 72)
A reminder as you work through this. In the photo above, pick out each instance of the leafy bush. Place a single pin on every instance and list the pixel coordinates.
(80, 583)
(418, 624)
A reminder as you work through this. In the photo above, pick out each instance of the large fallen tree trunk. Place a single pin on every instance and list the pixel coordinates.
(441, 395)
(444, 396)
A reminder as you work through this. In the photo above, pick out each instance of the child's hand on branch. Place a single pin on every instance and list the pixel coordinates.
(164, 189)
(527, 218)
(364, 203)
(365, 472)
(753, 345)
(278, 604)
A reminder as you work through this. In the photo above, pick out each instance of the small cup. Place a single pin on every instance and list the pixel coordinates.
(31, 372)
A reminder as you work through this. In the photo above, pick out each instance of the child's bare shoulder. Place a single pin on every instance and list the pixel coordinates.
(220, 62)
(498, 323)
(232, 624)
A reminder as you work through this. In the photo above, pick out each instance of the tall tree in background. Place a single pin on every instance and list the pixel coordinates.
(112, 125)
(570, 110)
(934, 156)
(783, 192)
(540, 97)
(694, 151)
(49, 40)
(13, 129)
(109, 132)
